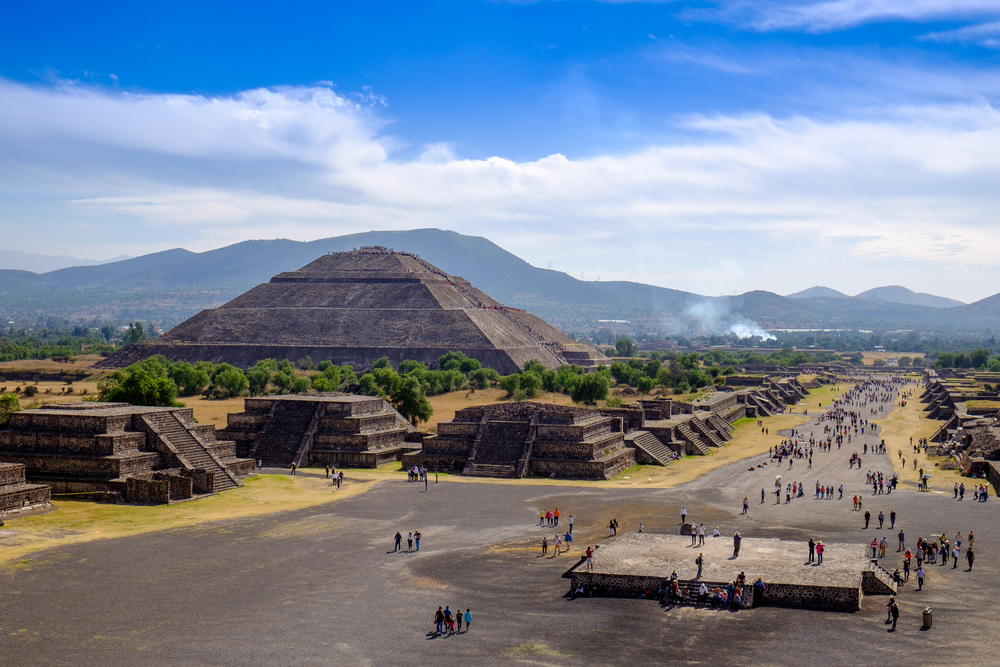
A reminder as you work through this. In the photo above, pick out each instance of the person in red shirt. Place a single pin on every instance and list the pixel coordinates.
(589, 553)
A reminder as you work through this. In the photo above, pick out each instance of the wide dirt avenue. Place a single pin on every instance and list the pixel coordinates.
(321, 585)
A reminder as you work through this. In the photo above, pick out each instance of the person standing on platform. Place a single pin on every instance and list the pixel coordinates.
(736, 544)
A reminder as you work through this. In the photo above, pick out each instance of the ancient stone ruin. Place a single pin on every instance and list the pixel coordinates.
(517, 439)
(139, 454)
(355, 307)
(16, 493)
(343, 431)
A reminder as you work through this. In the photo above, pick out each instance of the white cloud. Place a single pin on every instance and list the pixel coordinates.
(830, 15)
(984, 34)
(778, 202)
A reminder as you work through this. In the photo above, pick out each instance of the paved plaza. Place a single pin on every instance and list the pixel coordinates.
(322, 586)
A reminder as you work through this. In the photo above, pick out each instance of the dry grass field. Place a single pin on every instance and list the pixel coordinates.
(74, 521)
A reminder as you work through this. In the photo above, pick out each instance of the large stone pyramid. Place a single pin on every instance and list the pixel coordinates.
(355, 307)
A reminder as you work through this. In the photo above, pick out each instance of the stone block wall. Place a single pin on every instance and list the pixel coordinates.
(836, 598)
(147, 491)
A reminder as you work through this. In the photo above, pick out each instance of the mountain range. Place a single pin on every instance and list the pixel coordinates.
(30, 261)
(170, 286)
(888, 294)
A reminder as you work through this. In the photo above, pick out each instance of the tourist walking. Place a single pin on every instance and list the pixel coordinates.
(558, 545)
(868, 518)
(416, 538)
(684, 514)
(439, 621)
(398, 542)
(409, 541)
(894, 609)
(736, 544)
(293, 468)
(458, 615)
(969, 556)
(819, 553)
(699, 561)
(746, 505)
(920, 578)
(468, 620)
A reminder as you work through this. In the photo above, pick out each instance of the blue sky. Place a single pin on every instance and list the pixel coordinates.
(710, 146)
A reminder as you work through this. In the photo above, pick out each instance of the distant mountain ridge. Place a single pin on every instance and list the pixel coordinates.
(170, 286)
(887, 294)
(37, 263)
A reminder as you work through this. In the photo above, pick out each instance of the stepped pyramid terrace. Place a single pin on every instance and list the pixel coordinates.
(139, 454)
(344, 431)
(516, 439)
(355, 307)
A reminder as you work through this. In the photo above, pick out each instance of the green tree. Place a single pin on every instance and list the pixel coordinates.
(190, 380)
(625, 347)
(511, 383)
(382, 362)
(530, 384)
(301, 385)
(410, 401)
(142, 383)
(9, 404)
(134, 334)
(368, 386)
(457, 361)
(229, 380)
(979, 358)
(260, 375)
(591, 388)
(481, 378)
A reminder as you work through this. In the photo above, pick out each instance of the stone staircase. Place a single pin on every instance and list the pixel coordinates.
(942, 434)
(702, 428)
(500, 449)
(723, 428)
(282, 436)
(489, 470)
(651, 447)
(876, 580)
(693, 438)
(763, 407)
(188, 449)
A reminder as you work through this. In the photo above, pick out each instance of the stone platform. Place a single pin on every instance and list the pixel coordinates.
(634, 563)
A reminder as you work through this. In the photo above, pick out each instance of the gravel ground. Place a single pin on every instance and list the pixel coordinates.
(323, 586)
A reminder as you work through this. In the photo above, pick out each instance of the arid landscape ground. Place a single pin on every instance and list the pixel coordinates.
(289, 570)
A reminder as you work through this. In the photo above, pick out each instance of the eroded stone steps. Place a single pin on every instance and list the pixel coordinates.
(179, 437)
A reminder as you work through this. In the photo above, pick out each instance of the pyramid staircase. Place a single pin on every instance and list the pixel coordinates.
(693, 438)
(189, 450)
(282, 436)
(501, 450)
(702, 428)
(722, 428)
(941, 435)
(763, 408)
(651, 446)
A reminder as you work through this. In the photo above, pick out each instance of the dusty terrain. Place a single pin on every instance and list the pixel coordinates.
(321, 584)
